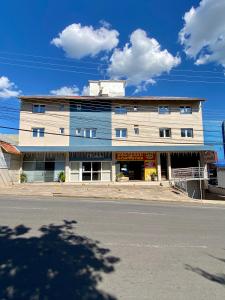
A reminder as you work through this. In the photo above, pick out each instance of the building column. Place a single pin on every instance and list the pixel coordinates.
(159, 173)
(169, 170)
(113, 166)
(67, 167)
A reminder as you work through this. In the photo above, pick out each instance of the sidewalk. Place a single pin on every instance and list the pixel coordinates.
(115, 191)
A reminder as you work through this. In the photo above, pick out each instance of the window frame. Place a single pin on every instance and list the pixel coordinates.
(121, 130)
(136, 129)
(62, 130)
(91, 131)
(39, 108)
(120, 110)
(185, 131)
(163, 111)
(38, 132)
(164, 130)
(185, 110)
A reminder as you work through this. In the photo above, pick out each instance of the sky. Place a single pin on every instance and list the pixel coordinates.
(161, 47)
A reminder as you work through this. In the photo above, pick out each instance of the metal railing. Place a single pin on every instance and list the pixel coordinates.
(193, 173)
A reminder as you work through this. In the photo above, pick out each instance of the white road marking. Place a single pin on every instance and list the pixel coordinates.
(23, 208)
(138, 245)
(145, 213)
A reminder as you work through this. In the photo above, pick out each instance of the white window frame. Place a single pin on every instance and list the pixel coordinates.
(136, 130)
(164, 112)
(185, 110)
(39, 110)
(62, 130)
(78, 132)
(80, 171)
(185, 131)
(91, 130)
(39, 130)
(164, 133)
(120, 133)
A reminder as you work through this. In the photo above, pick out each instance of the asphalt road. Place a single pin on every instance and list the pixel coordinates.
(161, 250)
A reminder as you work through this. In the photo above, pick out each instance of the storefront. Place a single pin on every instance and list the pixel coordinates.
(43, 167)
(90, 166)
(136, 165)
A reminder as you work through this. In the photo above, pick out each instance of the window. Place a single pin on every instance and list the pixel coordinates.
(135, 108)
(90, 132)
(164, 110)
(38, 108)
(187, 132)
(136, 129)
(78, 131)
(120, 110)
(78, 106)
(61, 130)
(121, 132)
(165, 132)
(185, 110)
(61, 107)
(38, 132)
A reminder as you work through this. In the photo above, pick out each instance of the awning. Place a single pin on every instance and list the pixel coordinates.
(8, 148)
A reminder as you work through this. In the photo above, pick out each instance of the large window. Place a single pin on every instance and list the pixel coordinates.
(165, 132)
(90, 132)
(38, 132)
(90, 171)
(120, 110)
(185, 110)
(187, 132)
(38, 108)
(164, 110)
(121, 132)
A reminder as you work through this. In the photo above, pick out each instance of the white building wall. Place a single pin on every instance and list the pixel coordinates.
(221, 178)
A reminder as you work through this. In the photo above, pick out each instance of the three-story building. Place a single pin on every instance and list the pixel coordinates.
(99, 136)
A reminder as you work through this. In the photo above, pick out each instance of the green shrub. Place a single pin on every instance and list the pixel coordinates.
(23, 177)
(61, 177)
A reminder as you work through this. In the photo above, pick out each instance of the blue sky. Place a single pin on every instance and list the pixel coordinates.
(28, 27)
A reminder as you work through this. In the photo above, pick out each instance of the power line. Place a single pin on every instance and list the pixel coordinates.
(111, 139)
(132, 122)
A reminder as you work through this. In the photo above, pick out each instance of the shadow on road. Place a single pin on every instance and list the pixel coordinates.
(58, 264)
(218, 278)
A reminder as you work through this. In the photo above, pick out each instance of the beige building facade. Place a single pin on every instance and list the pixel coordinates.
(107, 136)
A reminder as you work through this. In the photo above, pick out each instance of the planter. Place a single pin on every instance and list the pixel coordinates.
(122, 179)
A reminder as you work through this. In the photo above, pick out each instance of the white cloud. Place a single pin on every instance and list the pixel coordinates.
(79, 41)
(141, 60)
(7, 88)
(203, 34)
(85, 91)
(66, 91)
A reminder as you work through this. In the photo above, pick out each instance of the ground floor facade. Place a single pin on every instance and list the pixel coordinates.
(105, 165)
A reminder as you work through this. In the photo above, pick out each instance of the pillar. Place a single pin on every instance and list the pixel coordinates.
(67, 167)
(169, 170)
(113, 167)
(159, 166)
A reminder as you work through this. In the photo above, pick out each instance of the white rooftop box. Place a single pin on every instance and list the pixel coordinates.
(111, 88)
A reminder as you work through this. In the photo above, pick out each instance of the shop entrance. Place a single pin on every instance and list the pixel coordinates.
(133, 169)
(164, 171)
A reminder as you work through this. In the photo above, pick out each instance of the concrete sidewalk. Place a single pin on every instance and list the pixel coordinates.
(115, 191)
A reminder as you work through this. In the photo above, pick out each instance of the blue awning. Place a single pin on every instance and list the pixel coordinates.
(170, 148)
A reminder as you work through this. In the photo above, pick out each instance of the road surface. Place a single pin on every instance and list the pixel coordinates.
(161, 250)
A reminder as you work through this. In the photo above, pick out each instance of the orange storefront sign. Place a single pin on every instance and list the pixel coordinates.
(141, 156)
